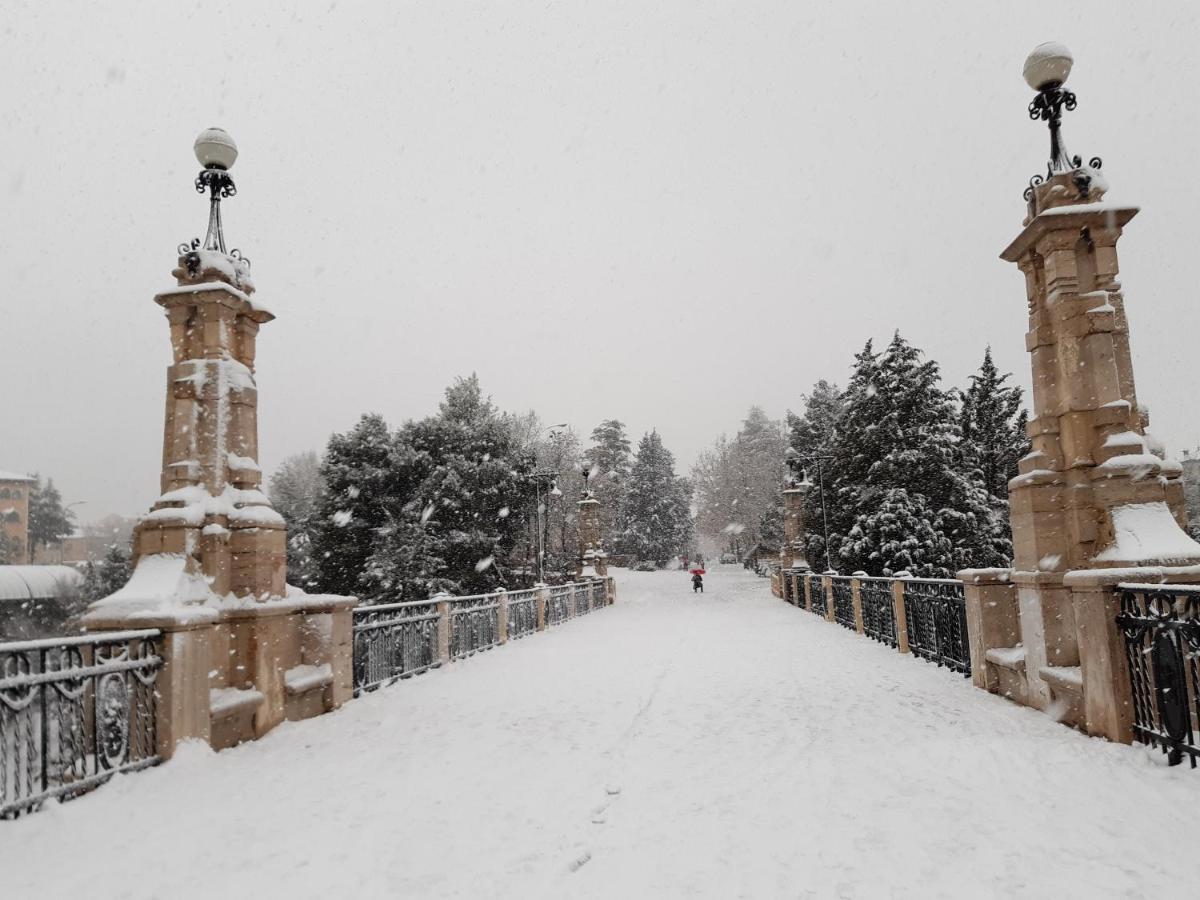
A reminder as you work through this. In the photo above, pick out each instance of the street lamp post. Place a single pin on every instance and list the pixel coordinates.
(819, 459)
(540, 476)
(1046, 71)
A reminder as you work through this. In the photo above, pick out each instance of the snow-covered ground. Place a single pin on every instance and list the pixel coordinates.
(723, 745)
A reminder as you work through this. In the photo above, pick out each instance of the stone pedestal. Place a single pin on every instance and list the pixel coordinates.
(593, 561)
(1091, 495)
(793, 554)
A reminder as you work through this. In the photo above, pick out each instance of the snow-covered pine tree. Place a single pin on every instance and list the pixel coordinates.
(993, 427)
(611, 459)
(898, 442)
(107, 576)
(655, 524)
(811, 436)
(461, 475)
(296, 491)
(363, 489)
(49, 520)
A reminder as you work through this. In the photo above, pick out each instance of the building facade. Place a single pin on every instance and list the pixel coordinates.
(14, 515)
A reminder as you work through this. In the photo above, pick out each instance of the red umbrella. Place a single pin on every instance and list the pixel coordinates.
(696, 571)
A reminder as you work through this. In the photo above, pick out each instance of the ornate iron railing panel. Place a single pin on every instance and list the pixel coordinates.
(558, 608)
(1161, 626)
(785, 587)
(74, 712)
(583, 599)
(600, 592)
(394, 641)
(522, 613)
(843, 601)
(816, 590)
(878, 609)
(936, 613)
(474, 624)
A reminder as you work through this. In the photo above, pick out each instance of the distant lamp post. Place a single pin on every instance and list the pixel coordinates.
(217, 152)
(1046, 71)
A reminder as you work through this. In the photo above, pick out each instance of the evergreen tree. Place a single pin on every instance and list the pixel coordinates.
(108, 576)
(296, 491)
(898, 458)
(362, 489)
(812, 432)
(993, 427)
(610, 460)
(656, 523)
(49, 520)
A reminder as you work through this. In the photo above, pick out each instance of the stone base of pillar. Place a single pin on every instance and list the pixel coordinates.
(233, 670)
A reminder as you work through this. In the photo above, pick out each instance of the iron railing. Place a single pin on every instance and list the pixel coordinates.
(785, 587)
(599, 593)
(558, 607)
(878, 609)
(1161, 626)
(816, 590)
(74, 712)
(522, 613)
(474, 624)
(936, 612)
(394, 641)
(843, 601)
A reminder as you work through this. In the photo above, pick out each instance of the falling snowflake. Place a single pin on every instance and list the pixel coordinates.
(485, 563)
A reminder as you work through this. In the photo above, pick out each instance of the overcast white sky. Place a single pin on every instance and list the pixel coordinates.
(661, 212)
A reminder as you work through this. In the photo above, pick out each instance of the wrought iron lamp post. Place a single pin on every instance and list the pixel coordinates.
(217, 152)
(794, 461)
(1046, 70)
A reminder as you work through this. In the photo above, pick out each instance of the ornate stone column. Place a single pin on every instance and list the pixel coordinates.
(793, 554)
(242, 652)
(1091, 496)
(592, 558)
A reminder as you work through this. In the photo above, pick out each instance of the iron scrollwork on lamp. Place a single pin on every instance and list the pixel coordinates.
(1046, 71)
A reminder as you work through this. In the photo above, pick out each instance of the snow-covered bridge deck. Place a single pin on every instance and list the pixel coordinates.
(725, 745)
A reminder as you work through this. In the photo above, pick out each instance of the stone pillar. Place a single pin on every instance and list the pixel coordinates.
(994, 631)
(540, 603)
(502, 617)
(901, 613)
(856, 599)
(1091, 494)
(211, 510)
(592, 558)
(242, 651)
(793, 554)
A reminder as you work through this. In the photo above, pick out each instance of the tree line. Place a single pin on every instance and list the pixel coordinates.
(451, 502)
(907, 474)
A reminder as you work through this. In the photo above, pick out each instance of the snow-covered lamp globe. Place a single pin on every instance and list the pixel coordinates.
(1048, 65)
(215, 149)
(1046, 70)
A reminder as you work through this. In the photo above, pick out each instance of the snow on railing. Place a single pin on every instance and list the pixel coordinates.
(74, 711)
(926, 617)
(398, 640)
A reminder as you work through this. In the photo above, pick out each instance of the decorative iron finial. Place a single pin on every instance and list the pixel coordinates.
(217, 152)
(1046, 71)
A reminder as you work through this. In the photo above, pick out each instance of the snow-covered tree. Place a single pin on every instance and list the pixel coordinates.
(656, 520)
(737, 482)
(107, 576)
(993, 427)
(611, 461)
(812, 432)
(363, 488)
(898, 457)
(49, 520)
(296, 490)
